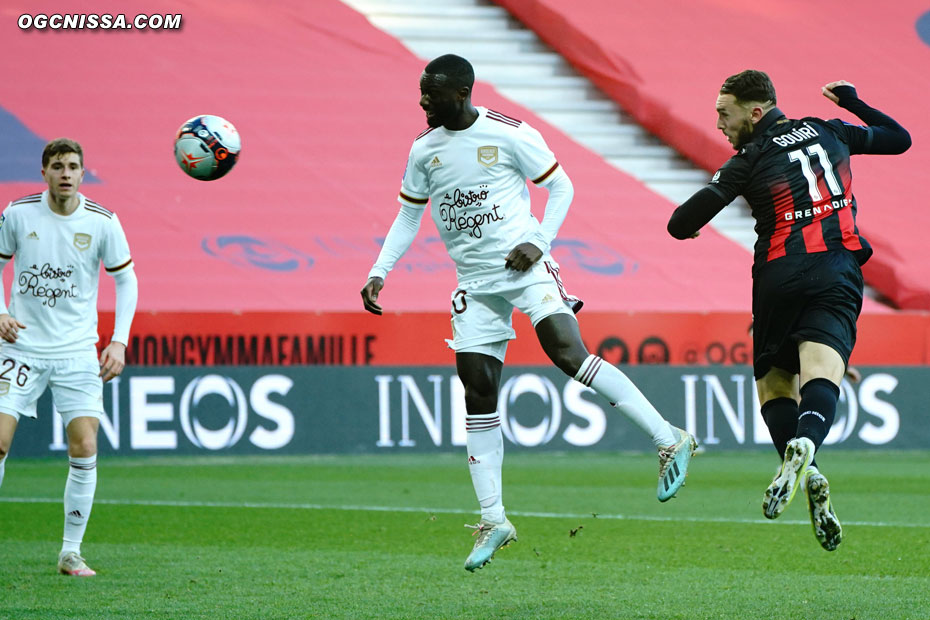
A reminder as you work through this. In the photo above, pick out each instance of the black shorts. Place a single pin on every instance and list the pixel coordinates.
(809, 297)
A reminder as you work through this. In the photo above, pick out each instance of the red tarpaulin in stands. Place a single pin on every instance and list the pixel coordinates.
(665, 65)
(327, 109)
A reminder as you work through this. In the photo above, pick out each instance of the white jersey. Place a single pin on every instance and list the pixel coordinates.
(57, 270)
(476, 181)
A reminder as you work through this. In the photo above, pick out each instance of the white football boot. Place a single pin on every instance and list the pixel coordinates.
(491, 537)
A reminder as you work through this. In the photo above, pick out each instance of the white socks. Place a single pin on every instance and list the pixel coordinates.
(485, 441)
(607, 380)
(79, 499)
(485, 457)
(2, 469)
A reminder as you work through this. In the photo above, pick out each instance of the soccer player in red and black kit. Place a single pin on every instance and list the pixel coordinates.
(807, 281)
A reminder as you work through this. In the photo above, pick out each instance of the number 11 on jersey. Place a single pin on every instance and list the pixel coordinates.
(804, 159)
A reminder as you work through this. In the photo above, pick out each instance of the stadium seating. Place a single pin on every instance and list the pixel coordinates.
(665, 67)
(327, 108)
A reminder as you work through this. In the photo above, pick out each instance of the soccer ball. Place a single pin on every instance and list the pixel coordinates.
(206, 147)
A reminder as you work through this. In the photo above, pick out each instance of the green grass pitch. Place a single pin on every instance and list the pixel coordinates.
(383, 537)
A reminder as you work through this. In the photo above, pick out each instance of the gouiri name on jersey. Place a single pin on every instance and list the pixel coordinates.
(465, 210)
(48, 283)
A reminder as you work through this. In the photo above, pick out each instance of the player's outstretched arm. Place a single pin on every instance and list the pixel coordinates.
(112, 360)
(688, 219)
(370, 293)
(9, 328)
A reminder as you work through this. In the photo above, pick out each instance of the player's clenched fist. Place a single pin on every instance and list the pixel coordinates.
(828, 90)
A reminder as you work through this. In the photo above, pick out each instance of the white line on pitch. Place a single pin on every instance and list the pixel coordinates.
(418, 509)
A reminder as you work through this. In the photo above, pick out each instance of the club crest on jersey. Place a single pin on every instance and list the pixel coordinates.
(81, 241)
(487, 155)
(4, 387)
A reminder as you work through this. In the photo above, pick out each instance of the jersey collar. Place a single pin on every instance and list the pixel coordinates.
(79, 209)
(766, 122)
(461, 132)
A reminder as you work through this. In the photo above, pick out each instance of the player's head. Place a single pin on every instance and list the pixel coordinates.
(743, 100)
(63, 167)
(445, 89)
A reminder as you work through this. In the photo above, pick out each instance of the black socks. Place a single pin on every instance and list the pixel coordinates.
(781, 416)
(817, 409)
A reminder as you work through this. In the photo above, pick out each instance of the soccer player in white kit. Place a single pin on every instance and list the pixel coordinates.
(472, 165)
(49, 332)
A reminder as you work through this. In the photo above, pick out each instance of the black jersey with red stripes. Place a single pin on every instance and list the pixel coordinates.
(796, 177)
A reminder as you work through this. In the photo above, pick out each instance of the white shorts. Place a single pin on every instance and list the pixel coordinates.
(482, 308)
(77, 388)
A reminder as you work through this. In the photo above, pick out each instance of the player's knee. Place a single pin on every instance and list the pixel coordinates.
(6, 435)
(772, 390)
(83, 447)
